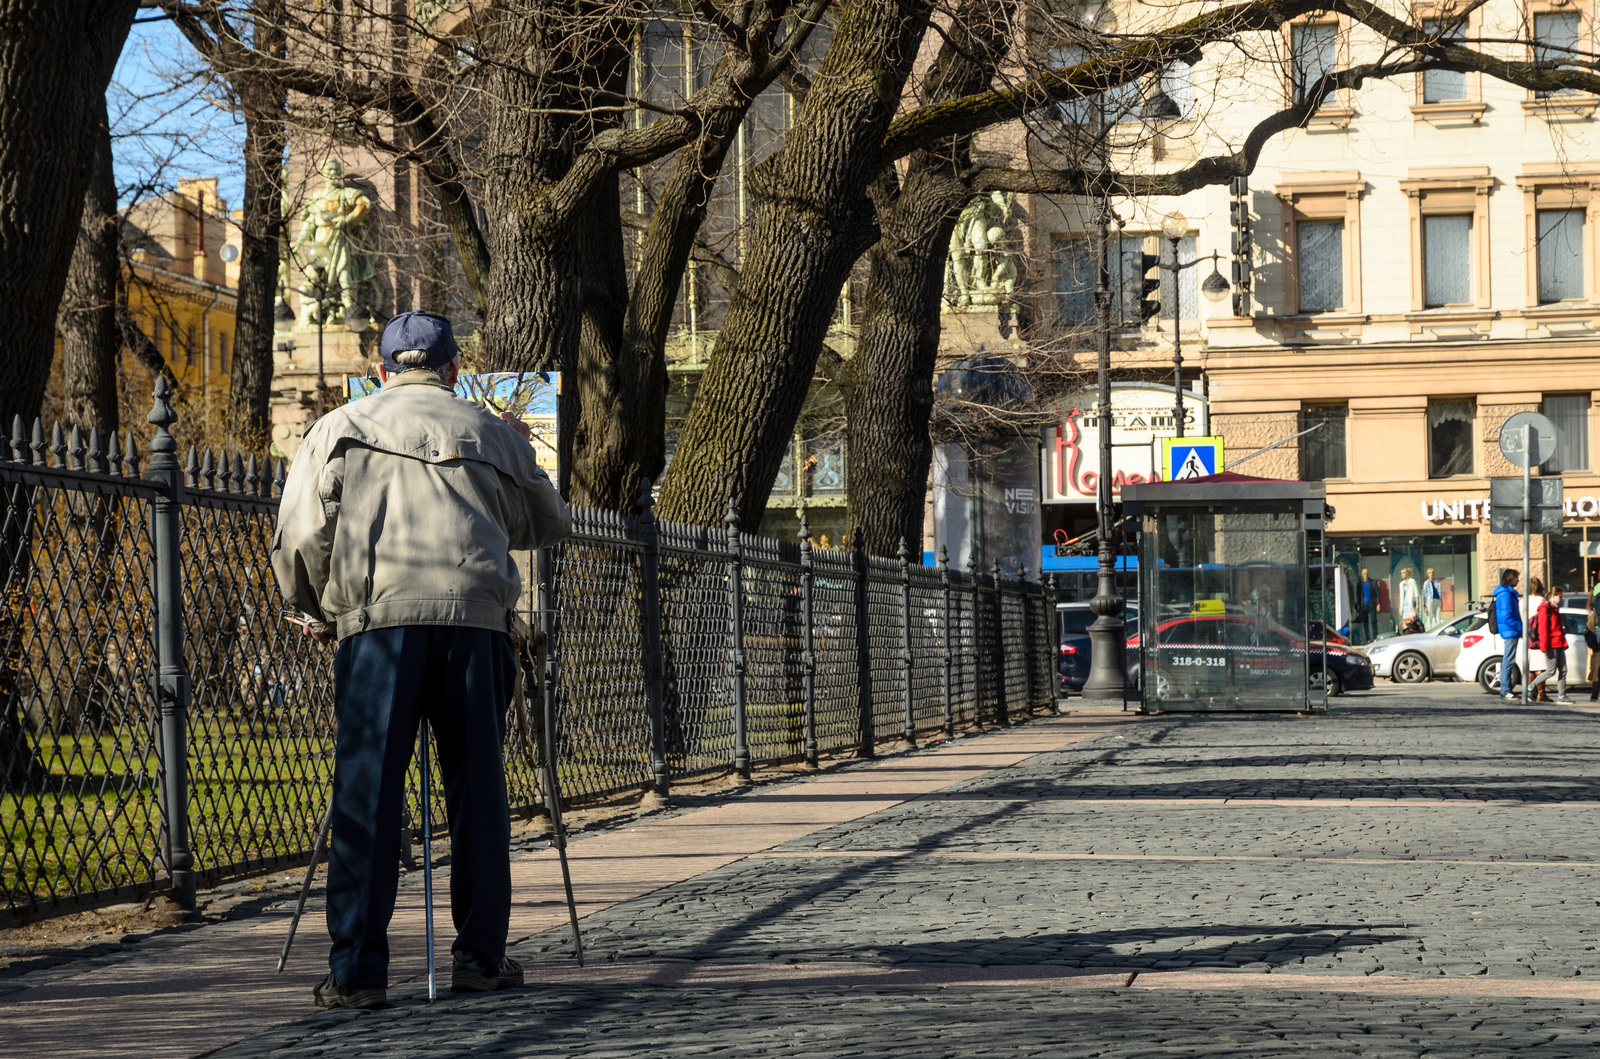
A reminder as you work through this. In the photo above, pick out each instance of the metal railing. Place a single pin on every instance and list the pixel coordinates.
(161, 726)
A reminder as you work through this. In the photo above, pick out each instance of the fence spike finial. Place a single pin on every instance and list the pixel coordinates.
(114, 455)
(805, 527)
(19, 438)
(193, 468)
(36, 442)
(162, 416)
(902, 553)
(944, 558)
(236, 477)
(58, 445)
(75, 448)
(95, 452)
(252, 477)
(277, 478)
(732, 517)
(131, 455)
(646, 501)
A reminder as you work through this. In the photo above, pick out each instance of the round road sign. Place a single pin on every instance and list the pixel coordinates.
(1514, 439)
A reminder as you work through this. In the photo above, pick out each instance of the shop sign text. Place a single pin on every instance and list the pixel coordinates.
(1477, 510)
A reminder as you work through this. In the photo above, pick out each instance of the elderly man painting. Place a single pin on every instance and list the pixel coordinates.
(395, 532)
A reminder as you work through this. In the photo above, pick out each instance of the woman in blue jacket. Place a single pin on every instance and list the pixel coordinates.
(1508, 620)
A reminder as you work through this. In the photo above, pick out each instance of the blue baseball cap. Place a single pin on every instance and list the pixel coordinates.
(418, 330)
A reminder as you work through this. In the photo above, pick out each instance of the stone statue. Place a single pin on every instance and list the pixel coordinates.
(980, 269)
(333, 225)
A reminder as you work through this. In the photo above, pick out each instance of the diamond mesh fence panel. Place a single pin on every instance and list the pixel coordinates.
(775, 674)
(602, 727)
(80, 794)
(885, 637)
(928, 635)
(1018, 686)
(694, 648)
(833, 595)
(260, 720)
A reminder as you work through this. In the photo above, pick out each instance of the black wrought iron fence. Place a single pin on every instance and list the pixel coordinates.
(161, 725)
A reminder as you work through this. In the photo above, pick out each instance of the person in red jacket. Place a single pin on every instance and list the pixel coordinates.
(1548, 635)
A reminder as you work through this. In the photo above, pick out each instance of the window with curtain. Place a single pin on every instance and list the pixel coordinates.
(1177, 83)
(1555, 38)
(1560, 254)
(1188, 293)
(1450, 437)
(1447, 260)
(1322, 452)
(1315, 53)
(1570, 414)
(1439, 86)
(1074, 256)
(1319, 261)
(1120, 103)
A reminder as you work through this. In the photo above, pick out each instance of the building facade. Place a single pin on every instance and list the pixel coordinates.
(1423, 265)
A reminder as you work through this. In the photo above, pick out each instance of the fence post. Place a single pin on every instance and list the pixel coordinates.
(979, 649)
(949, 638)
(654, 671)
(1051, 648)
(908, 738)
(1025, 594)
(1002, 708)
(865, 723)
(741, 745)
(809, 657)
(172, 683)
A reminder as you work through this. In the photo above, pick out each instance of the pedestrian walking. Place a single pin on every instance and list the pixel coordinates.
(1546, 631)
(1536, 659)
(1591, 638)
(1507, 625)
(395, 533)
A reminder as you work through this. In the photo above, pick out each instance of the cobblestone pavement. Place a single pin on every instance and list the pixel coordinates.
(1416, 872)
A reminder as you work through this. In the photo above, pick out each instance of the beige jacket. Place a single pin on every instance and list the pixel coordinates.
(402, 508)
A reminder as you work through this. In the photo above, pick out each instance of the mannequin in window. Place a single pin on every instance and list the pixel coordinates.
(1409, 600)
(1432, 600)
(1367, 597)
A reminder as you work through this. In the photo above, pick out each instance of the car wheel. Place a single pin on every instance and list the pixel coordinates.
(1489, 676)
(1410, 668)
(1335, 685)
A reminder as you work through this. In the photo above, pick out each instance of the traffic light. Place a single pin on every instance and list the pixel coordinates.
(1243, 248)
(1149, 286)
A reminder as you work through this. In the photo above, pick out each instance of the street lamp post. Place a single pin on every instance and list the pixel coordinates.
(1106, 633)
(1174, 226)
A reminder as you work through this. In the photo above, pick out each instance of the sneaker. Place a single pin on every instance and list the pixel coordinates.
(476, 977)
(1562, 700)
(1512, 698)
(330, 994)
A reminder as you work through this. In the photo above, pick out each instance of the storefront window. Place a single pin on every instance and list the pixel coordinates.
(1450, 438)
(1392, 579)
(1575, 560)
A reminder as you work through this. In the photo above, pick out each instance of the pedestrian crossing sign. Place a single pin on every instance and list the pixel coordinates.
(1185, 458)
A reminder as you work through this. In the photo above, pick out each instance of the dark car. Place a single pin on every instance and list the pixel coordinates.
(1243, 647)
(1072, 627)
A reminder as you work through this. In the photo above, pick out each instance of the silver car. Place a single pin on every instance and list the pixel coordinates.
(1414, 658)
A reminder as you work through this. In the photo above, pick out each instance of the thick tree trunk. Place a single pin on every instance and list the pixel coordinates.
(265, 106)
(605, 397)
(87, 320)
(249, 420)
(56, 58)
(811, 220)
(891, 397)
(888, 405)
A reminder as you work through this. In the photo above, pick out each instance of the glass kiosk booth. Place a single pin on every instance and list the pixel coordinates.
(1224, 593)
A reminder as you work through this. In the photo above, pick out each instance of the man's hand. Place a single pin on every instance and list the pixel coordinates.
(518, 425)
(316, 634)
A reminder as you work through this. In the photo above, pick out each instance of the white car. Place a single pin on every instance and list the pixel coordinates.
(1415, 657)
(1481, 652)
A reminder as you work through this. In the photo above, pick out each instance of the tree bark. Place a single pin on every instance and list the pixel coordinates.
(56, 58)
(811, 220)
(265, 138)
(87, 318)
(889, 403)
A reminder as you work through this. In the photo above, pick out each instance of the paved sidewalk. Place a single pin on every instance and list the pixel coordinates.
(1413, 874)
(189, 995)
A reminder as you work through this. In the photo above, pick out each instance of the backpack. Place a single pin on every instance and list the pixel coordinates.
(1494, 616)
(1536, 628)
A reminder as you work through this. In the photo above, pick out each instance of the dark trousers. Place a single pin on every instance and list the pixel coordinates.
(385, 682)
